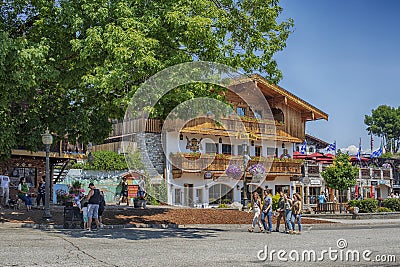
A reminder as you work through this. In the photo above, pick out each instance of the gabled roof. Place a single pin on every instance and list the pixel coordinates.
(272, 92)
(320, 143)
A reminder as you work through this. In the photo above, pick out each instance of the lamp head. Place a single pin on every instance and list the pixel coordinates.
(47, 138)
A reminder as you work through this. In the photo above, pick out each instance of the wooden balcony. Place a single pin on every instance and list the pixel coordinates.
(216, 164)
(135, 126)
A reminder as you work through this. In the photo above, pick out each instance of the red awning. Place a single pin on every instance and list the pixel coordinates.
(298, 155)
(315, 155)
(356, 159)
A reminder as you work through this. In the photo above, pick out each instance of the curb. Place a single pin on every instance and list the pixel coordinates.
(117, 226)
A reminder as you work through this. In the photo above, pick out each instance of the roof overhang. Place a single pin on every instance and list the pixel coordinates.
(276, 94)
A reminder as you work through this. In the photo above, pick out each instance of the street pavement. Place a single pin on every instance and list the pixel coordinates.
(205, 245)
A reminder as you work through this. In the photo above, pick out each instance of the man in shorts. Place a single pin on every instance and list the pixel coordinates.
(93, 206)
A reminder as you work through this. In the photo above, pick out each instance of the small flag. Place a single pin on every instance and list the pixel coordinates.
(303, 148)
(359, 151)
(377, 153)
(331, 147)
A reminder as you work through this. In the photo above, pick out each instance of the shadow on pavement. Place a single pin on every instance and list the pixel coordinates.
(140, 233)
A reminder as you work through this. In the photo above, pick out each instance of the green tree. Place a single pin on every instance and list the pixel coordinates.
(105, 161)
(73, 65)
(385, 122)
(341, 174)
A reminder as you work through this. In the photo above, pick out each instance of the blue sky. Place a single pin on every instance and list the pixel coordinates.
(343, 57)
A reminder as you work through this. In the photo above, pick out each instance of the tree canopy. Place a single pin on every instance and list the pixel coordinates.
(341, 174)
(73, 65)
(385, 122)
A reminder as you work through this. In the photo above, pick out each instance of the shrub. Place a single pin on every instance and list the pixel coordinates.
(223, 206)
(392, 203)
(383, 209)
(353, 203)
(226, 201)
(275, 200)
(368, 205)
(365, 205)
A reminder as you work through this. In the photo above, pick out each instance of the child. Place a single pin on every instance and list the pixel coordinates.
(85, 215)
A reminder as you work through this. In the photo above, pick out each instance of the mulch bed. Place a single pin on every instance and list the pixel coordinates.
(163, 215)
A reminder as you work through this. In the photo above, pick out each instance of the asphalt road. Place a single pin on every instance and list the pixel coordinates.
(208, 246)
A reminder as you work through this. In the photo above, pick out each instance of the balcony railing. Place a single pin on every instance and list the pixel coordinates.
(314, 170)
(211, 163)
(135, 126)
(229, 124)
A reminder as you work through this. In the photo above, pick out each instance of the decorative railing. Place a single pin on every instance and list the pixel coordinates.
(135, 126)
(252, 125)
(220, 163)
(377, 173)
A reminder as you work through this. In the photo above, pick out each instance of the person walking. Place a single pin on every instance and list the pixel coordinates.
(5, 186)
(296, 212)
(102, 206)
(23, 191)
(85, 215)
(41, 190)
(124, 192)
(267, 210)
(141, 193)
(93, 206)
(256, 206)
(281, 212)
(288, 214)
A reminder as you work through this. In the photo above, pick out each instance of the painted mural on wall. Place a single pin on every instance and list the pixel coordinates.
(106, 181)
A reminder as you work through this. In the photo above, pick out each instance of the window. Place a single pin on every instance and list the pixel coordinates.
(178, 199)
(284, 188)
(342, 196)
(199, 196)
(257, 114)
(220, 193)
(241, 111)
(28, 173)
(227, 149)
(240, 149)
(272, 151)
(258, 151)
(211, 148)
(314, 193)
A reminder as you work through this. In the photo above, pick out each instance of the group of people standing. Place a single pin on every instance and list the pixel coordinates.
(289, 209)
(23, 193)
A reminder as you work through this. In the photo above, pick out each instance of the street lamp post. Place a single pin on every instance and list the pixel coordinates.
(245, 162)
(47, 140)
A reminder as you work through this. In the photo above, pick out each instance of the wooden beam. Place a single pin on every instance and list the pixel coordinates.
(278, 99)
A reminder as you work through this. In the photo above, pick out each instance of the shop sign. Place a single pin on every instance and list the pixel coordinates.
(315, 182)
(208, 175)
